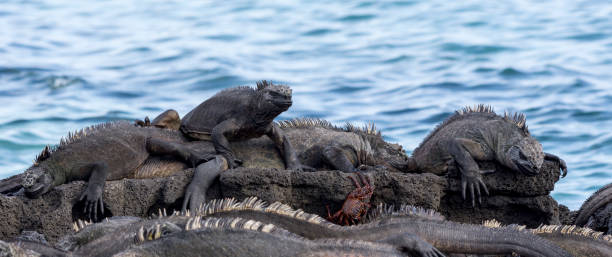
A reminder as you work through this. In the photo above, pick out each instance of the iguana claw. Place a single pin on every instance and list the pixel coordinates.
(473, 183)
(93, 198)
(563, 167)
(194, 197)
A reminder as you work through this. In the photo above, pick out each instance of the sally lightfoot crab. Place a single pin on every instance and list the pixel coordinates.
(356, 204)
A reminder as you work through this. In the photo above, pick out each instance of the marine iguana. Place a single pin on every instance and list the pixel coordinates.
(578, 241)
(409, 229)
(479, 134)
(243, 237)
(107, 151)
(242, 113)
(601, 199)
(121, 232)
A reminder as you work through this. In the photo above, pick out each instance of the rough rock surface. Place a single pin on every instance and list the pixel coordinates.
(566, 217)
(54, 213)
(312, 191)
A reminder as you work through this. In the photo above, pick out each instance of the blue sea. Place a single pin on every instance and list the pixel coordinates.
(405, 65)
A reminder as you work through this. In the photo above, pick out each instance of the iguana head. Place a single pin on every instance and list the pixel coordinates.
(275, 97)
(391, 156)
(525, 156)
(36, 181)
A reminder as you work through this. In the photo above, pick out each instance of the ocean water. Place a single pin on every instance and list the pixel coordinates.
(406, 65)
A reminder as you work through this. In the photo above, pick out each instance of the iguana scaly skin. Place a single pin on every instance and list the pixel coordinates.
(243, 237)
(410, 229)
(29, 243)
(579, 241)
(478, 134)
(404, 228)
(241, 113)
(108, 151)
(602, 198)
(137, 235)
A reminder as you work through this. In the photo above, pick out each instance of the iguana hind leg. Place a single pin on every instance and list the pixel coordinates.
(205, 174)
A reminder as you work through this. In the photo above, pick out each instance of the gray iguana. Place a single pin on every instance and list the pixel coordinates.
(412, 230)
(596, 211)
(241, 113)
(244, 237)
(103, 240)
(108, 151)
(478, 134)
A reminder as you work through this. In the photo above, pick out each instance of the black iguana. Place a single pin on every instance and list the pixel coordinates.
(478, 134)
(244, 237)
(242, 113)
(108, 151)
(409, 229)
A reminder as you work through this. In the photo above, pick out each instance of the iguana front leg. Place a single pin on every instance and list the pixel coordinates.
(219, 138)
(280, 140)
(205, 174)
(471, 177)
(554, 158)
(98, 172)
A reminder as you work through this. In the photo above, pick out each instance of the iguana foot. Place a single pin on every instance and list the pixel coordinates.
(356, 204)
(205, 174)
(473, 182)
(93, 199)
(195, 196)
(554, 158)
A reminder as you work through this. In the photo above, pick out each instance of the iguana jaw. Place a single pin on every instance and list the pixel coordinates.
(521, 162)
(283, 104)
(526, 168)
(36, 182)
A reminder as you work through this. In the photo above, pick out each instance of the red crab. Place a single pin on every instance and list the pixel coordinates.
(356, 204)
